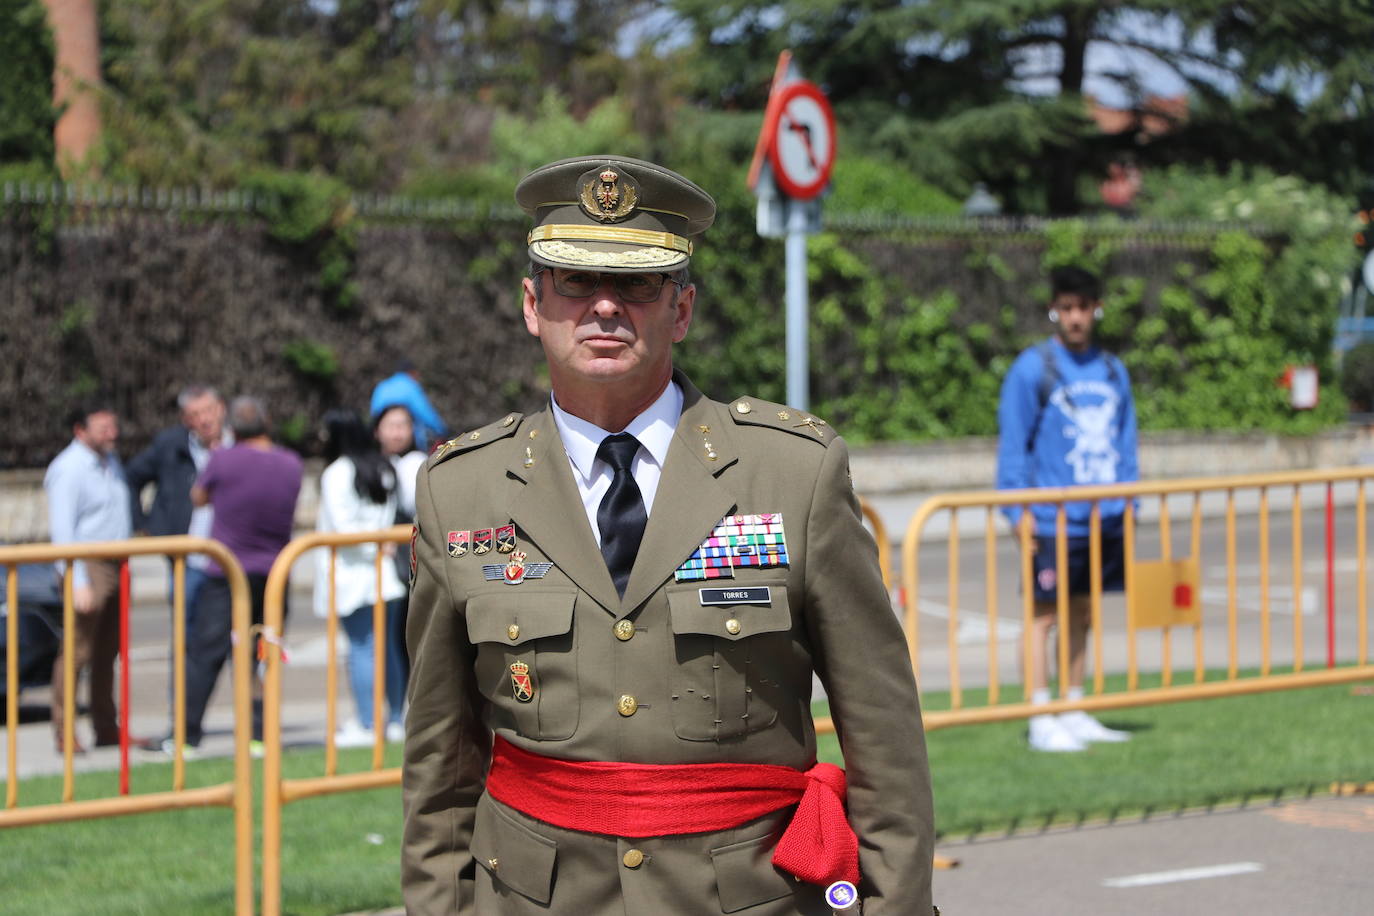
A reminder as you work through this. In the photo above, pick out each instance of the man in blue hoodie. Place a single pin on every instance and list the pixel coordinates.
(1066, 418)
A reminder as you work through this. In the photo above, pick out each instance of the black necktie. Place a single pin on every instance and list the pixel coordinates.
(621, 516)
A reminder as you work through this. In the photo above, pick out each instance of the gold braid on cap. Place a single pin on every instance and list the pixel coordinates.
(577, 233)
(646, 258)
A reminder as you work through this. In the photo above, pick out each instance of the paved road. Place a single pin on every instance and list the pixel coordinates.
(1312, 857)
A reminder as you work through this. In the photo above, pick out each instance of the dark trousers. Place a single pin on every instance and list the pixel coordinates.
(96, 646)
(209, 645)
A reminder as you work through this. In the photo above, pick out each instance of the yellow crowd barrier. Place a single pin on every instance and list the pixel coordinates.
(236, 794)
(276, 791)
(1164, 594)
(1147, 582)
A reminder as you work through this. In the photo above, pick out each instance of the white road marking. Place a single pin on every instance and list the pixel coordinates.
(973, 627)
(1184, 874)
(1280, 599)
(1342, 564)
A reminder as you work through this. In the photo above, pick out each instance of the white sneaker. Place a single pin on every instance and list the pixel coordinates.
(1085, 728)
(1047, 734)
(188, 751)
(395, 732)
(354, 735)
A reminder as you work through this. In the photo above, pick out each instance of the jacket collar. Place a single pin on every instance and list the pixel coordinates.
(691, 499)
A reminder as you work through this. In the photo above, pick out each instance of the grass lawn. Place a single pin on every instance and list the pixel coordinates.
(1181, 755)
(342, 851)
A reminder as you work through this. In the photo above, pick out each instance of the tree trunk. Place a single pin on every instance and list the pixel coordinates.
(76, 77)
(1066, 161)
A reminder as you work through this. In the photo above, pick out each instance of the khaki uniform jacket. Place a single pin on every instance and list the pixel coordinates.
(703, 691)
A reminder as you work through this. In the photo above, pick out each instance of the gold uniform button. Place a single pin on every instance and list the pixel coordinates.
(744, 407)
(733, 626)
(627, 705)
(508, 420)
(633, 859)
(493, 864)
(513, 631)
(624, 630)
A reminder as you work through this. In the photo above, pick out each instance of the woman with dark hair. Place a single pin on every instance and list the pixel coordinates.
(394, 429)
(358, 493)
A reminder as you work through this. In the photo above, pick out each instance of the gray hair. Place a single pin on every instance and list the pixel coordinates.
(536, 273)
(247, 418)
(192, 392)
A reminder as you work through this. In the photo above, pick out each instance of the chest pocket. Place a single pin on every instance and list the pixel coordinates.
(729, 660)
(526, 660)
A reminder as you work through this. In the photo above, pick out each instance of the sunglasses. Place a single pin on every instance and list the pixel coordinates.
(579, 284)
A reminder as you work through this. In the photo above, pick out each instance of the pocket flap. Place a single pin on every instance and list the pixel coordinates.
(730, 620)
(515, 855)
(746, 875)
(514, 619)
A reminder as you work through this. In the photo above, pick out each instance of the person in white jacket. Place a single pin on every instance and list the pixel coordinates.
(358, 493)
(394, 430)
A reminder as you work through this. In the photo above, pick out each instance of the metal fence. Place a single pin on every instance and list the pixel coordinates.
(236, 794)
(277, 791)
(1166, 594)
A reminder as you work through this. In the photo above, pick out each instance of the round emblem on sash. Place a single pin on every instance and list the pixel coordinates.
(842, 895)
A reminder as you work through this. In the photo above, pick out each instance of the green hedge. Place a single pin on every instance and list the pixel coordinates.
(308, 296)
(913, 326)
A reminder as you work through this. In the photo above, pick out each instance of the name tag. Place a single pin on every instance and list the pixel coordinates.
(760, 595)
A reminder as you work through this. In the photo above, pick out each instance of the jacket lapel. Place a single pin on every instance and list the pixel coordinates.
(549, 509)
(690, 498)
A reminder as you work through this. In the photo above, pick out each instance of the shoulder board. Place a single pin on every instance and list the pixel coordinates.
(749, 411)
(476, 438)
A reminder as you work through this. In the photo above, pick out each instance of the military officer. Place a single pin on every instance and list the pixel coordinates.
(619, 601)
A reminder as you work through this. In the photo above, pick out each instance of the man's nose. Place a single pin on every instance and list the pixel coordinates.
(606, 299)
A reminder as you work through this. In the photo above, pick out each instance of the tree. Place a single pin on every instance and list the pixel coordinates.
(26, 66)
(76, 80)
(995, 91)
(203, 91)
(378, 93)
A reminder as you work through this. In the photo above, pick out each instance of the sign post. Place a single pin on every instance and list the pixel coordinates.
(791, 168)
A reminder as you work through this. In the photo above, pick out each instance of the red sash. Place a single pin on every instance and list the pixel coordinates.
(649, 800)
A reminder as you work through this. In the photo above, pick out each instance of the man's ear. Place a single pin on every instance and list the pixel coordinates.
(686, 302)
(530, 305)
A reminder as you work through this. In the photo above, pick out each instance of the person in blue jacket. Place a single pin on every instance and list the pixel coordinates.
(403, 388)
(1066, 417)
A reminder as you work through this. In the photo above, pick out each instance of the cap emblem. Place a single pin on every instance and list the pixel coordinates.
(604, 199)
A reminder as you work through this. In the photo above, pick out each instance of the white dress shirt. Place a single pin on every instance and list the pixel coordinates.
(88, 500)
(202, 517)
(654, 429)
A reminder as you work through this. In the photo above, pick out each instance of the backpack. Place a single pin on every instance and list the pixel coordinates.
(1050, 378)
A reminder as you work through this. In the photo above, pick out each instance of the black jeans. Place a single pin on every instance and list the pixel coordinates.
(209, 645)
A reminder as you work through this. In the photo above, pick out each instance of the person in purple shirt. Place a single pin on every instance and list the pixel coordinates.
(253, 488)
